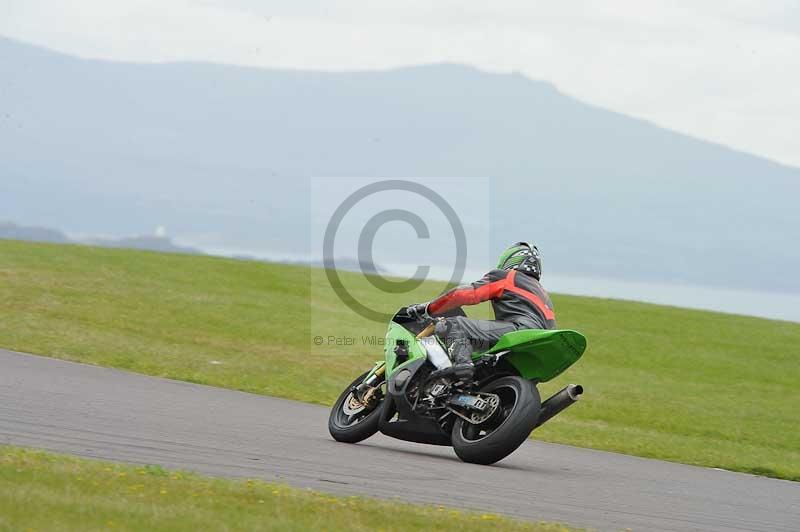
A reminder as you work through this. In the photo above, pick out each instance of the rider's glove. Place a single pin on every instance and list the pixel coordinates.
(418, 311)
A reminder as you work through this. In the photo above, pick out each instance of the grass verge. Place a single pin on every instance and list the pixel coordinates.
(43, 491)
(690, 386)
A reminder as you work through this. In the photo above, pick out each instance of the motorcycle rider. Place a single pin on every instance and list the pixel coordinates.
(518, 299)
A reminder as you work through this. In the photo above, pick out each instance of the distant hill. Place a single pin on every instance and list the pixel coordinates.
(222, 155)
(152, 243)
(11, 231)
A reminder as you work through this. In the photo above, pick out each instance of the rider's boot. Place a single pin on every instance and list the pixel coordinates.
(462, 370)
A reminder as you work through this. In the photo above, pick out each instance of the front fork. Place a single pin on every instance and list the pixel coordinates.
(365, 392)
(376, 375)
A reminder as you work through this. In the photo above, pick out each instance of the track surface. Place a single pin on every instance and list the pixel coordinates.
(110, 414)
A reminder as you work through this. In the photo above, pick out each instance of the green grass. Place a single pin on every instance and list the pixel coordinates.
(689, 386)
(43, 491)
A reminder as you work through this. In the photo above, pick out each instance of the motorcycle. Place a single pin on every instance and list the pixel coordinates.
(484, 420)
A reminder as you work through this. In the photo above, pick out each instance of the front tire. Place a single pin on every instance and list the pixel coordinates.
(506, 429)
(350, 427)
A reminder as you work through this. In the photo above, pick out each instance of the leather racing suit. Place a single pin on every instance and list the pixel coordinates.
(518, 300)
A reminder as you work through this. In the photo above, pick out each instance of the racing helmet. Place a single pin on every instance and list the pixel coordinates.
(522, 257)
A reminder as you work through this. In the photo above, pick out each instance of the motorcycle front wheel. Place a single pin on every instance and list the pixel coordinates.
(510, 425)
(349, 420)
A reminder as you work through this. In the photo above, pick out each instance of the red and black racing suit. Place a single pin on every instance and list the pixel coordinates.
(519, 302)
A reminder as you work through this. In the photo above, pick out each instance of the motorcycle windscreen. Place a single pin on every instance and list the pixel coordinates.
(541, 355)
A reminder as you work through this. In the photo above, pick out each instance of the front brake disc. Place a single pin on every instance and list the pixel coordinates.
(352, 405)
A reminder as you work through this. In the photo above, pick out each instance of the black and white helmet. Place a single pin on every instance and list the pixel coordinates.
(522, 257)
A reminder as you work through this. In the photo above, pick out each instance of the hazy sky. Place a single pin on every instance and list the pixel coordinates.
(724, 70)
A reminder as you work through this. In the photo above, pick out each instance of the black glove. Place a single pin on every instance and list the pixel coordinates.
(418, 312)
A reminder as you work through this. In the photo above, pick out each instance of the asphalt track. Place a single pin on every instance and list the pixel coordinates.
(110, 414)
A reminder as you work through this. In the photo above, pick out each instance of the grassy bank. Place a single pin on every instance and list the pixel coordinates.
(43, 491)
(682, 385)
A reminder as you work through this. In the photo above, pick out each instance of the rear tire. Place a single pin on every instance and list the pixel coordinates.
(506, 430)
(360, 428)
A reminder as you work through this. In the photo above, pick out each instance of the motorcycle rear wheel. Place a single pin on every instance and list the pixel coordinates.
(507, 429)
(350, 426)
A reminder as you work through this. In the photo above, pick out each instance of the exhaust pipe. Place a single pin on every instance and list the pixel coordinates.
(558, 402)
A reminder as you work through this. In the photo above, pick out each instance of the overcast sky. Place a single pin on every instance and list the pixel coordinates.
(723, 70)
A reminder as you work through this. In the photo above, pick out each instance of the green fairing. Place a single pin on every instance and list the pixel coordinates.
(397, 333)
(536, 354)
(540, 355)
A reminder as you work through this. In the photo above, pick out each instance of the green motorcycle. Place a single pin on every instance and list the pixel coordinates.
(484, 422)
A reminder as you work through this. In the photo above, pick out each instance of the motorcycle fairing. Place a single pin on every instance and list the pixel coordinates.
(398, 419)
(540, 354)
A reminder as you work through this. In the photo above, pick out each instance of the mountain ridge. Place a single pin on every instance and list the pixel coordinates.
(225, 153)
